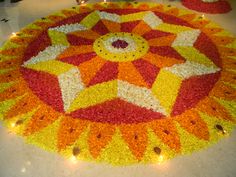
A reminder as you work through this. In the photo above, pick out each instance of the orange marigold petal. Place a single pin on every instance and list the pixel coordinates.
(141, 28)
(76, 50)
(55, 18)
(89, 68)
(69, 131)
(223, 91)
(13, 51)
(84, 9)
(14, 91)
(23, 106)
(188, 17)
(30, 31)
(167, 132)
(12, 63)
(225, 51)
(211, 31)
(88, 34)
(135, 136)
(128, 5)
(229, 63)
(69, 13)
(173, 11)
(144, 7)
(192, 122)
(227, 76)
(21, 40)
(222, 40)
(213, 108)
(43, 25)
(158, 8)
(128, 72)
(162, 41)
(111, 26)
(200, 23)
(43, 117)
(161, 61)
(113, 6)
(98, 6)
(12, 75)
(99, 137)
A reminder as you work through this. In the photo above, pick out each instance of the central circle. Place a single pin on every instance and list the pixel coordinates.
(121, 47)
(120, 44)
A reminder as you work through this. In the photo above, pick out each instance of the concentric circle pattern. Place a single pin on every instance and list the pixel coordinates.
(120, 83)
(121, 47)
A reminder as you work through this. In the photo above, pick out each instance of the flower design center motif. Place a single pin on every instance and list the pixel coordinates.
(121, 47)
(120, 44)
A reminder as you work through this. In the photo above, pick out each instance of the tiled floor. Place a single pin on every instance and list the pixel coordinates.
(18, 159)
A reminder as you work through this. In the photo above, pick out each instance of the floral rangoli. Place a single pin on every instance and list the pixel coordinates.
(208, 6)
(120, 83)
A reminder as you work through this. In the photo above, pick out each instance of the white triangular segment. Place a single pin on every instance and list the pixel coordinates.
(186, 38)
(70, 84)
(139, 96)
(109, 16)
(50, 53)
(189, 69)
(152, 20)
(69, 28)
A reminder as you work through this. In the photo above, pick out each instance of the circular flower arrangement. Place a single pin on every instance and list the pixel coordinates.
(208, 6)
(120, 83)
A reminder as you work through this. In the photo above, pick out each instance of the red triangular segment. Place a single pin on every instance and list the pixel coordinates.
(72, 20)
(166, 51)
(76, 40)
(147, 70)
(116, 112)
(108, 72)
(100, 28)
(129, 26)
(39, 44)
(207, 47)
(193, 90)
(155, 34)
(78, 59)
(45, 86)
(122, 11)
(172, 19)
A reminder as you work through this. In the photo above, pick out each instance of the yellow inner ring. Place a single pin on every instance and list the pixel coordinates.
(140, 49)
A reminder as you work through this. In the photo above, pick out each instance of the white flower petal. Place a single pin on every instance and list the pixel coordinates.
(50, 53)
(139, 96)
(189, 69)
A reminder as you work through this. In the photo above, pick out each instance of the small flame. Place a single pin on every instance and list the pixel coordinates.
(160, 159)
(13, 125)
(28, 163)
(80, 1)
(23, 170)
(73, 160)
(13, 34)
